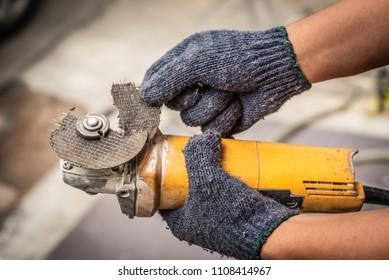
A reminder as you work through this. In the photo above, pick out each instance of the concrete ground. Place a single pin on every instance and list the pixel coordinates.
(70, 52)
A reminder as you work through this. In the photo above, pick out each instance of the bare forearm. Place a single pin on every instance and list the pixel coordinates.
(357, 235)
(347, 38)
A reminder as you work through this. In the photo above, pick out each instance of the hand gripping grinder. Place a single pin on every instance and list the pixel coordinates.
(146, 169)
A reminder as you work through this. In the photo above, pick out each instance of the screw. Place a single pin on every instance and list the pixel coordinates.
(67, 165)
(124, 194)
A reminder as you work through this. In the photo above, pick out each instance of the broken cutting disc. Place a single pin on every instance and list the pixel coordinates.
(134, 113)
(88, 143)
(109, 151)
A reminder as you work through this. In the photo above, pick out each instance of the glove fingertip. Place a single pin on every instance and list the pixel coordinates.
(150, 96)
(203, 145)
(212, 135)
(209, 136)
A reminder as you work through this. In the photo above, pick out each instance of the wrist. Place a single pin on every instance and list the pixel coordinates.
(302, 55)
(344, 39)
(353, 235)
(296, 67)
(279, 245)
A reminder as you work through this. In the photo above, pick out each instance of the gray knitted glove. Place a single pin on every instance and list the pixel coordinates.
(226, 80)
(221, 213)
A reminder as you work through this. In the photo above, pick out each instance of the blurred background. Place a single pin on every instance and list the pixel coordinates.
(56, 55)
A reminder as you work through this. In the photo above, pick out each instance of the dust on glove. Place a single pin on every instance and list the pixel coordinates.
(226, 80)
(221, 212)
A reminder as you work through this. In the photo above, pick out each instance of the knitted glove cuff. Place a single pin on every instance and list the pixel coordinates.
(246, 242)
(243, 62)
(277, 76)
(263, 237)
(228, 60)
(296, 68)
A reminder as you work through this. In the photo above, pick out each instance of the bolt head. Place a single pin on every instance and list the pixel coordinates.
(92, 121)
(93, 126)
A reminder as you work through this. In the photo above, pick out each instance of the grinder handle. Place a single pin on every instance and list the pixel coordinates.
(321, 178)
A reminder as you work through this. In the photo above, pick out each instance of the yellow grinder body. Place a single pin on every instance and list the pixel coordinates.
(312, 178)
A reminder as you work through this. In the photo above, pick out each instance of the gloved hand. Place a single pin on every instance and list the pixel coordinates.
(222, 213)
(226, 80)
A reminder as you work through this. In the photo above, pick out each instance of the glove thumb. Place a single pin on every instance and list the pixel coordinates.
(202, 156)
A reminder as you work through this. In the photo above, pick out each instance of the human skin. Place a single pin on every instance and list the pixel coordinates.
(347, 38)
(355, 235)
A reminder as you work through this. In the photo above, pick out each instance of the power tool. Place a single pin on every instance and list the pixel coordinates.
(146, 169)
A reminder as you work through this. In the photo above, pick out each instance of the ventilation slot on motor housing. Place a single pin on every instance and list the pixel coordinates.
(330, 188)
